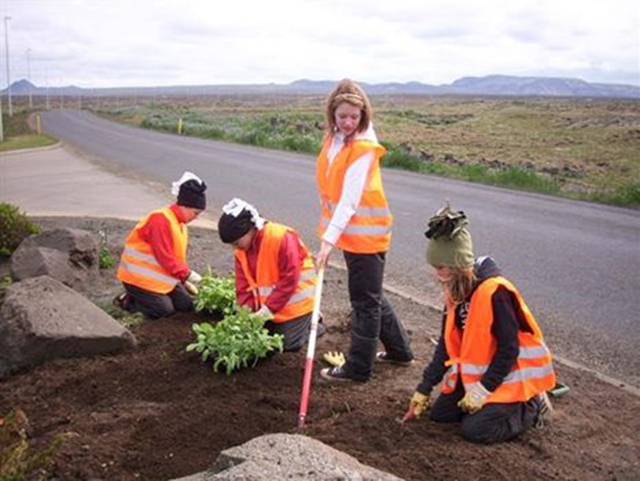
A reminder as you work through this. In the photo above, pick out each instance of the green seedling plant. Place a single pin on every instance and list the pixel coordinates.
(216, 294)
(239, 341)
(105, 259)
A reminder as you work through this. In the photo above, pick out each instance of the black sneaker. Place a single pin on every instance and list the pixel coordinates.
(121, 301)
(382, 356)
(335, 374)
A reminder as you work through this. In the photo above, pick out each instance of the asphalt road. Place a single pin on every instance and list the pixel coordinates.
(577, 264)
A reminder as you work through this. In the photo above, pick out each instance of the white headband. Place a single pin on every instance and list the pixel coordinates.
(175, 186)
(236, 206)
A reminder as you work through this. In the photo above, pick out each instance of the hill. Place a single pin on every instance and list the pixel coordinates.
(491, 85)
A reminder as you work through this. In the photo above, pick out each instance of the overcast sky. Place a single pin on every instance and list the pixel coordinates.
(108, 43)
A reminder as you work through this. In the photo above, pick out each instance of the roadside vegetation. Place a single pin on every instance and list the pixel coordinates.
(578, 148)
(18, 134)
(15, 227)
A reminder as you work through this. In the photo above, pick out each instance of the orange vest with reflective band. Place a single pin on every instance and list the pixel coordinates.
(471, 351)
(139, 267)
(268, 274)
(369, 230)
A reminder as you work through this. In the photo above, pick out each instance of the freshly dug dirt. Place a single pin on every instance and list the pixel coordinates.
(158, 412)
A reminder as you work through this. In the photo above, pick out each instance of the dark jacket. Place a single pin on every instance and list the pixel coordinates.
(507, 319)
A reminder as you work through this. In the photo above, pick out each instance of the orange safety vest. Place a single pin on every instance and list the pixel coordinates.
(369, 230)
(471, 351)
(139, 267)
(268, 274)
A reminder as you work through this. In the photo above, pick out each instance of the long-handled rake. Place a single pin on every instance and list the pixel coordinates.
(311, 349)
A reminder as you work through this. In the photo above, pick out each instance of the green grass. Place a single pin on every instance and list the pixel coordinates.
(26, 142)
(18, 134)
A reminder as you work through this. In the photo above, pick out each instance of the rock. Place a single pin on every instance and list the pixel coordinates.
(41, 319)
(287, 456)
(68, 255)
(426, 156)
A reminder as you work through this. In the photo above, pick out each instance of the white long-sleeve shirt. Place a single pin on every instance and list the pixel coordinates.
(353, 185)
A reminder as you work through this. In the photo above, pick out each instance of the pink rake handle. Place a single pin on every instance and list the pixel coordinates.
(311, 349)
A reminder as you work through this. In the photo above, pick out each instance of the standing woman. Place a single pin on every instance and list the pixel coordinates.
(356, 219)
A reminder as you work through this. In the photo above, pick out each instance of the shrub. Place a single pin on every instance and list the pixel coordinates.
(239, 340)
(15, 227)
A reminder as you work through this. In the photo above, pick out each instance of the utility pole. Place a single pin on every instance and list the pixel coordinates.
(29, 77)
(46, 78)
(1, 127)
(6, 44)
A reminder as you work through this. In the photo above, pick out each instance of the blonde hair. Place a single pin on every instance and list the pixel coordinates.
(350, 92)
(460, 285)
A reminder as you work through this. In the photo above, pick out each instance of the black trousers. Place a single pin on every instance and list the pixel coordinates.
(154, 305)
(373, 317)
(295, 332)
(494, 423)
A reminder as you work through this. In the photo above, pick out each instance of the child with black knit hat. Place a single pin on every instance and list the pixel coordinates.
(153, 267)
(275, 273)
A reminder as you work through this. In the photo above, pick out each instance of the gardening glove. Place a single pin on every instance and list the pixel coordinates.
(334, 358)
(191, 288)
(418, 404)
(473, 400)
(265, 312)
(194, 278)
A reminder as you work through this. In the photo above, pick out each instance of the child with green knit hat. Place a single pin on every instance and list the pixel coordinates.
(491, 359)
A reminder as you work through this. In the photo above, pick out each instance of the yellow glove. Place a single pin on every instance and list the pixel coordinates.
(473, 400)
(418, 404)
(334, 358)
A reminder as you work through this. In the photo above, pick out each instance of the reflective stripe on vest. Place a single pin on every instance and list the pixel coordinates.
(139, 267)
(472, 351)
(364, 230)
(148, 273)
(363, 211)
(369, 229)
(268, 274)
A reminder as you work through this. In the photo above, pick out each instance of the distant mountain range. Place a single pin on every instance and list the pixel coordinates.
(491, 85)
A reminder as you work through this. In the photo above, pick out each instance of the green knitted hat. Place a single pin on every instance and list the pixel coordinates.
(449, 241)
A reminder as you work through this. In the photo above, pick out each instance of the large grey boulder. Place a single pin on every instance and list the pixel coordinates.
(42, 319)
(68, 255)
(287, 456)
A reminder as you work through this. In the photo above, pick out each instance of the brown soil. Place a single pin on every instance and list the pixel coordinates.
(158, 412)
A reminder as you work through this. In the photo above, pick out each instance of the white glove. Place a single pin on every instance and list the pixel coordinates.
(194, 277)
(265, 312)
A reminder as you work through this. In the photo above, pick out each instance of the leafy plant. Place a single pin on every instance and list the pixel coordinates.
(15, 227)
(216, 294)
(17, 461)
(239, 340)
